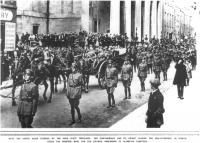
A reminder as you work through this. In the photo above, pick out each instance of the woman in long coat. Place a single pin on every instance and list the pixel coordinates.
(180, 78)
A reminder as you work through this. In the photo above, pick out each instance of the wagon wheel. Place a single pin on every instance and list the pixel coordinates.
(101, 74)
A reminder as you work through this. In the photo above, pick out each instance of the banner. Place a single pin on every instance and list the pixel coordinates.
(10, 30)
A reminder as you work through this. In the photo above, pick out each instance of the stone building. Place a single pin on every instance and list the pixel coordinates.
(135, 18)
(176, 20)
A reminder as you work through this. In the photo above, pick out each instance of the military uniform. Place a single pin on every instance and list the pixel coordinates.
(142, 74)
(157, 66)
(28, 100)
(74, 92)
(127, 76)
(149, 62)
(164, 68)
(111, 77)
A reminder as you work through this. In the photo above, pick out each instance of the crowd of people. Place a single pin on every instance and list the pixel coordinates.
(146, 57)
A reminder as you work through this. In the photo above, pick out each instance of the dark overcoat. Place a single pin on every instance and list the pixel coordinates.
(155, 109)
(180, 75)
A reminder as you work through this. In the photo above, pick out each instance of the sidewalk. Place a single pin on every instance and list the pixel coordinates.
(180, 115)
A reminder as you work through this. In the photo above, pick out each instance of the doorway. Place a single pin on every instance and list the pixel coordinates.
(35, 29)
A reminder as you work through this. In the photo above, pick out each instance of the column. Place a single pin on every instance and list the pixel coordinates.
(115, 16)
(153, 19)
(147, 19)
(159, 19)
(85, 15)
(138, 19)
(128, 18)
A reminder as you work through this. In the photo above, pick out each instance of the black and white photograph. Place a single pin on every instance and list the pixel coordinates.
(121, 66)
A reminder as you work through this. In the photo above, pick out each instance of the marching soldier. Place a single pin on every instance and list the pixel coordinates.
(164, 67)
(74, 92)
(157, 66)
(142, 73)
(149, 62)
(127, 76)
(111, 78)
(28, 101)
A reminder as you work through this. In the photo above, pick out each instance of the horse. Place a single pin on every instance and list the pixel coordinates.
(59, 68)
(85, 67)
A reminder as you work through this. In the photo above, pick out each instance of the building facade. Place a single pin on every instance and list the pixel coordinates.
(135, 18)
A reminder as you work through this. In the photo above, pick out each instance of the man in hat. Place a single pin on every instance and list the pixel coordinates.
(155, 106)
(111, 78)
(74, 91)
(28, 101)
(142, 73)
(127, 76)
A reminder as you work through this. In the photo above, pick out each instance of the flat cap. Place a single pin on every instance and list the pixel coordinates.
(155, 82)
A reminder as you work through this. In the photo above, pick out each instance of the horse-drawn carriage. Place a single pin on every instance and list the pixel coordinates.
(97, 64)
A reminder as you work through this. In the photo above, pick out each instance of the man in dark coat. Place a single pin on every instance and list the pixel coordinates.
(155, 106)
(180, 78)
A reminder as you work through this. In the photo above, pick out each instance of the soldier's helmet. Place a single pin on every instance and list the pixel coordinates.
(29, 72)
(155, 82)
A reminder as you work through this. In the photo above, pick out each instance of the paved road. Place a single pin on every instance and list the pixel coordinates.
(93, 106)
(180, 115)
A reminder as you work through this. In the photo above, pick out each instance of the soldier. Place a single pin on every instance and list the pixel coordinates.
(149, 62)
(164, 67)
(142, 73)
(28, 101)
(157, 66)
(155, 106)
(111, 78)
(74, 92)
(127, 76)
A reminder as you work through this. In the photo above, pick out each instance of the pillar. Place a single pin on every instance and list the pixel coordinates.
(85, 15)
(147, 19)
(128, 18)
(115, 16)
(159, 19)
(153, 19)
(138, 19)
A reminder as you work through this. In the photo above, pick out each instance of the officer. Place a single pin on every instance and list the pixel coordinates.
(127, 76)
(142, 73)
(111, 78)
(28, 101)
(74, 92)
(155, 106)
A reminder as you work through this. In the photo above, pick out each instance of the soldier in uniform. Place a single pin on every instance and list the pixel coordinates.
(28, 101)
(157, 66)
(74, 91)
(127, 76)
(155, 106)
(142, 73)
(111, 78)
(164, 67)
(149, 62)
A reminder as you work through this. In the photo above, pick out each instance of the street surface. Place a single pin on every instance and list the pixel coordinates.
(180, 115)
(93, 105)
